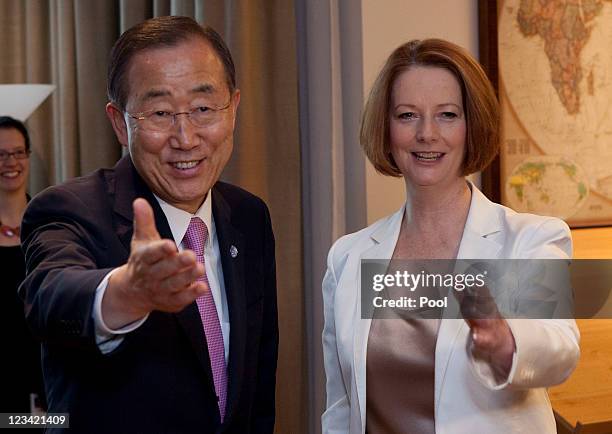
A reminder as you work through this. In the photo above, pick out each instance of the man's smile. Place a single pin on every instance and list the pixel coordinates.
(184, 165)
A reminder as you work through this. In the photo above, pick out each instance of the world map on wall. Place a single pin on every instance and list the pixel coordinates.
(548, 182)
(555, 66)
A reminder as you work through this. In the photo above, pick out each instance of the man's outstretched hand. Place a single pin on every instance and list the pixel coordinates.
(156, 276)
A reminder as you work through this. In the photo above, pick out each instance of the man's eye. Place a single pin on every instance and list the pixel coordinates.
(202, 109)
(161, 114)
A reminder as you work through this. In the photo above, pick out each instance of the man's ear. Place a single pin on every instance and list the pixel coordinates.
(235, 102)
(115, 116)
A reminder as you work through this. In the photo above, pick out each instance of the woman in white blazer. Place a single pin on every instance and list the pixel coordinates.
(432, 118)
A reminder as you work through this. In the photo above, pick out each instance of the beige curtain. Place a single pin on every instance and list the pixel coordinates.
(67, 42)
(333, 166)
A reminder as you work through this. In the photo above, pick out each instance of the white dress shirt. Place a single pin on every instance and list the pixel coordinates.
(178, 220)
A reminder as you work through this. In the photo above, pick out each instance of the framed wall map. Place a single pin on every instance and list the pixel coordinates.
(552, 63)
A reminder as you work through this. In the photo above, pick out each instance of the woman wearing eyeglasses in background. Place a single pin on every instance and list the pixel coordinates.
(21, 373)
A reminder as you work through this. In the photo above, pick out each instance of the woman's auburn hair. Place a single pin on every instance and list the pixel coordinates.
(479, 102)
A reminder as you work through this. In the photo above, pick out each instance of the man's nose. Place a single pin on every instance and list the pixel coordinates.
(185, 131)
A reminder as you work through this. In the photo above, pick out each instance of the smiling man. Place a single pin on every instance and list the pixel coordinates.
(152, 284)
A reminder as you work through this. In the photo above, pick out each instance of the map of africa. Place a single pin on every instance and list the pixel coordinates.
(555, 66)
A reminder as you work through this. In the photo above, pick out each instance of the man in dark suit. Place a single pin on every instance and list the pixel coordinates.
(152, 284)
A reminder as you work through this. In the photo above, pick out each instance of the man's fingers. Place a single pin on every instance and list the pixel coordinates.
(198, 289)
(178, 281)
(167, 265)
(177, 301)
(144, 221)
(154, 251)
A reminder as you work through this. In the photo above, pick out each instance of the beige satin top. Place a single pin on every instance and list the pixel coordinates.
(400, 376)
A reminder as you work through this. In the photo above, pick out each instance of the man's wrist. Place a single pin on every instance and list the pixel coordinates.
(119, 305)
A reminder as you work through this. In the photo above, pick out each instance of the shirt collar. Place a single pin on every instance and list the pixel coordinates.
(179, 220)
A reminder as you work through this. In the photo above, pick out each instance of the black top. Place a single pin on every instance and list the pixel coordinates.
(20, 372)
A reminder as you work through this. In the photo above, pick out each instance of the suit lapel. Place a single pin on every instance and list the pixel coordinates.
(483, 221)
(235, 287)
(124, 188)
(384, 240)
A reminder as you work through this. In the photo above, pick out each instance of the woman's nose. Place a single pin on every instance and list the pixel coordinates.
(427, 130)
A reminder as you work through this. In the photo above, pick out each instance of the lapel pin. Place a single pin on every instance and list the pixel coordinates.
(233, 251)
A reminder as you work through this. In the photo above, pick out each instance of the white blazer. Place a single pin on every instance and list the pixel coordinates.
(467, 398)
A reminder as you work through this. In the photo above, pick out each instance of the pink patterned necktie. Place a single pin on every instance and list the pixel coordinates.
(195, 239)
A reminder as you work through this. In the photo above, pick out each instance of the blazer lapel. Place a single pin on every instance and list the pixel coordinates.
(384, 239)
(482, 222)
(231, 239)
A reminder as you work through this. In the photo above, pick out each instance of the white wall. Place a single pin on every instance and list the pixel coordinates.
(387, 24)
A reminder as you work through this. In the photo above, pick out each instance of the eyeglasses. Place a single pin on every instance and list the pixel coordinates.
(162, 121)
(19, 154)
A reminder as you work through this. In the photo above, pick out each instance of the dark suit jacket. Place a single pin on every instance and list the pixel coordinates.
(159, 379)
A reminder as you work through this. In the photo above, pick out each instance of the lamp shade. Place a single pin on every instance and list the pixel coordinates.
(20, 100)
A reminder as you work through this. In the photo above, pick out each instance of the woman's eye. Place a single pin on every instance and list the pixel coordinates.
(449, 115)
(407, 115)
